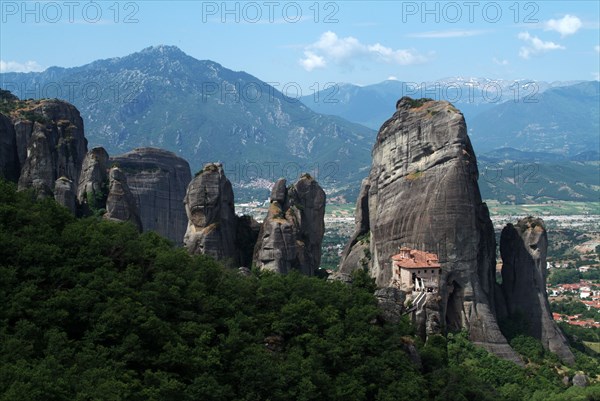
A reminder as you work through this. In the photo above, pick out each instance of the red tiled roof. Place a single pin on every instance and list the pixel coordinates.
(584, 323)
(593, 304)
(416, 260)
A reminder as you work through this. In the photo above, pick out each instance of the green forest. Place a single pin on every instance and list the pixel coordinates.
(93, 310)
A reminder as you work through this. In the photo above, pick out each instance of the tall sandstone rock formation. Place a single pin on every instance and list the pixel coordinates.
(92, 188)
(42, 141)
(213, 227)
(120, 204)
(291, 234)
(209, 205)
(523, 248)
(51, 147)
(9, 159)
(158, 180)
(42, 146)
(422, 192)
(65, 194)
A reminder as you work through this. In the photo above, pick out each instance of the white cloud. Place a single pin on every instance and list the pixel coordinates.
(446, 34)
(338, 50)
(536, 45)
(567, 25)
(597, 48)
(500, 62)
(312, 61)
(392, 78)
(400, 56)
(13, 66)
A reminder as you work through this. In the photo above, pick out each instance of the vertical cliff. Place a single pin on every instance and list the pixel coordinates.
(50, 144)
(65, 194)
(9, 159)
(158, 180)
(523, 248)
(92, 188)
(291, 234)
(120, 204)
(42, 146)
(422, 192)
(209, 205)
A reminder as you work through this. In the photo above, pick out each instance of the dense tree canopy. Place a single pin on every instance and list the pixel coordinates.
(92, 310)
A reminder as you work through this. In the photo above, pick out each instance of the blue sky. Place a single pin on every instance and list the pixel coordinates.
(317, 42)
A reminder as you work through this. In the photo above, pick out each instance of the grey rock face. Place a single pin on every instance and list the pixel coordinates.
(340, 276)
(245, 238)
(422, 193)
(355, 253)
(279, 193)
(275, 249)
(64, 194)
(51, 147)
(580, 380)
(428, 318)
(39, 169)
(358, 257)
(120, 205)
(158, 180)
(209, 205)
(23, 131)
(93, 180)
(9, 160)
(523, 248)
(291, 234)
(308, 197)
(390, 301)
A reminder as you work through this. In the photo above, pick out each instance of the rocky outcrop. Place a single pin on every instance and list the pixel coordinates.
(209, 205)
(245, 239)
(390, 301)
(158, 179)
(291, 234)
(308, 197)
(523, 248)
(43, 147)
(120, 204)
(9, 160)
(340, 276)
(23, 132)
(39, 169)
(428, 318)
(357, 251)
(40, 141)
(422, 193)
(50, 144)
(64, 194)
(580, 380)
(92, 188)
(276, 246)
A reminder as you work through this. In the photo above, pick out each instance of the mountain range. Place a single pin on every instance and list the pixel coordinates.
(205, 112)
(563, 120)
(371, 105)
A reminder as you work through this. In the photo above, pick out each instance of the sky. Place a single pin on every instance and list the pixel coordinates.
(314, 43)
